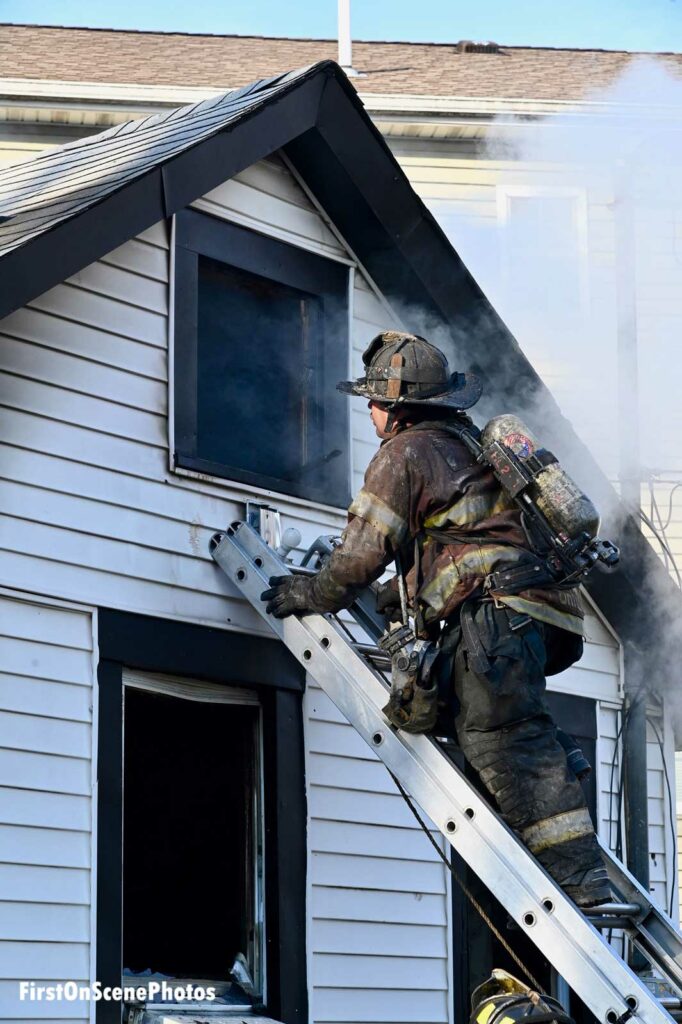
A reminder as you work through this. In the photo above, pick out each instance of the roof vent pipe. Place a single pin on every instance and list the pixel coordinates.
(345, 41)
(468, 46)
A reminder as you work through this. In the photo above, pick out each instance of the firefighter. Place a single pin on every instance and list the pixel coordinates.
(443, 518)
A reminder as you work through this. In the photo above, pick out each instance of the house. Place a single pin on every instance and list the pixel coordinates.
(494, 139)
(175, 798)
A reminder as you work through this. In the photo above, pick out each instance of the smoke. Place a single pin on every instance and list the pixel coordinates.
(577, 242)
(579, 249)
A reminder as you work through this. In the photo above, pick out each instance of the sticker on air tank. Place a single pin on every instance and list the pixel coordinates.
(521, 445)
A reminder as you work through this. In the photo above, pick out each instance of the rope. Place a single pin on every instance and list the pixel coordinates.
(463, 886)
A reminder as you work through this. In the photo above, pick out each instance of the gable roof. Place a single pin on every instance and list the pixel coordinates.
(230, 61)
(97, 193)
(39, 194)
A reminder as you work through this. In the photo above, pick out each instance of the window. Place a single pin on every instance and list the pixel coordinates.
(545, 251)
(193, 908)
(261, 339)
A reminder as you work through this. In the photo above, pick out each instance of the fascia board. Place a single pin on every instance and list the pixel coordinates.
(107, 95)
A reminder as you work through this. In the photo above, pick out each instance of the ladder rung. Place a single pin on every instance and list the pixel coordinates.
(613, 910)
(375, 654)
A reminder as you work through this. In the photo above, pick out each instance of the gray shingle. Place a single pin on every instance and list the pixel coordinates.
(37, 195)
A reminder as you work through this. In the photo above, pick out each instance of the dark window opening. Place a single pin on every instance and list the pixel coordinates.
(192, 857)
(261, 339)
(271, 387)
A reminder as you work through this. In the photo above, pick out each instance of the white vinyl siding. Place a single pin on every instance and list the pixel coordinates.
(379, 913)
(661, 849)
(92, 511)
(90, 506)
(46, 803)
(662, 854)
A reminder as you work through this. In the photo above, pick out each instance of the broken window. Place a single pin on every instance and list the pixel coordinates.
(261, 339)
(192, 856)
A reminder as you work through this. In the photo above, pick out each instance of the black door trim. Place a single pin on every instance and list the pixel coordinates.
(180, 648)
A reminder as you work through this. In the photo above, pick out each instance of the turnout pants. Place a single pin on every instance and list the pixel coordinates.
(507, 734)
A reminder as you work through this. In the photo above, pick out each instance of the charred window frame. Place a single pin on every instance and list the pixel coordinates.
(145, 644)
(261, 339)
(197, 746)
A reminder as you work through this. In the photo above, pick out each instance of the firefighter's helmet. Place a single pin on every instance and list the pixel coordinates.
(503, 999)
(404, 369)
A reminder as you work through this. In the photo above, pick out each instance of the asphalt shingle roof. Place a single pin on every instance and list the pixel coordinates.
(39, 194)
(227, 62)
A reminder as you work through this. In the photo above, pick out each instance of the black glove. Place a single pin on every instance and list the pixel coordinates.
(288, 594)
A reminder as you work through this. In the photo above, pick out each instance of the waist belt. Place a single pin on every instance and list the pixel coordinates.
(512, 581)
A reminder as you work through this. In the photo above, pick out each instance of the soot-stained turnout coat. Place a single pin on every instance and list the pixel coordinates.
(424, 479)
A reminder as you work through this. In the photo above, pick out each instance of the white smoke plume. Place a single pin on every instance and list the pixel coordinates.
(588, 233)
(585, 250)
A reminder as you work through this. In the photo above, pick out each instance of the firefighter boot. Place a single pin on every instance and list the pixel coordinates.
(579, 868)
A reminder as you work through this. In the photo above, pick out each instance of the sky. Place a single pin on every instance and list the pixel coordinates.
(649, 25)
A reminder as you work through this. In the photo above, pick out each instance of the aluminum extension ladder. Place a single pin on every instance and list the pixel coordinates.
(569, 938)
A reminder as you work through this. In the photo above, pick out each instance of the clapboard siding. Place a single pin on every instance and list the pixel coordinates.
(46, 812)
(370, 316)
(101, 309)
(13, 151)
(662, 874)
(76, 339)
(57, 960)
(84, 464)
(74, 373)
(51, 810)
(266, 198)
(379, 903)
(663, 883)
(608, 772)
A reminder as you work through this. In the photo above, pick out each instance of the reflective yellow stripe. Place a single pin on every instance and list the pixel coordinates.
(378, 514)
(543, 613)
(474, 562)
(560, 828)
(486, 1013)
(470, 510)
(484, 1016)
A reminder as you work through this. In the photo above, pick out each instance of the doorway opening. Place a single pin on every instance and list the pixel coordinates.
(192, 837)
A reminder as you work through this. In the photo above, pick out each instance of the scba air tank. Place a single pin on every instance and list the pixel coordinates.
(568, 511)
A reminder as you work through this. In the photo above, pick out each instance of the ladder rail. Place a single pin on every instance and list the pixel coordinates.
(541, 909)
(651, 930)
(648, 927)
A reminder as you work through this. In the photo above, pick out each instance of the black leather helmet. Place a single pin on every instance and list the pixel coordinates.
(404, 369)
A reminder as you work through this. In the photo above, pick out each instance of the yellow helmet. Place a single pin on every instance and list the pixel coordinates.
(503, 999)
